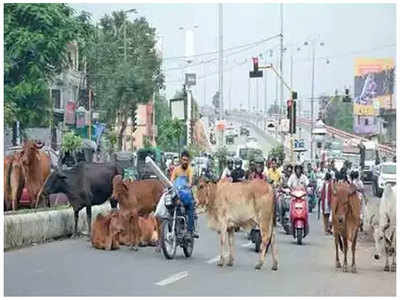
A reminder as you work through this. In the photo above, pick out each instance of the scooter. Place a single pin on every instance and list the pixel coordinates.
(299, 215)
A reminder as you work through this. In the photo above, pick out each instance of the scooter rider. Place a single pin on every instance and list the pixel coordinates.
(238, 173)
(227, 173)
(286, 174)
(298, 178)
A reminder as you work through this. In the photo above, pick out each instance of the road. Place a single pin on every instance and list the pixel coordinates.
(73, 268)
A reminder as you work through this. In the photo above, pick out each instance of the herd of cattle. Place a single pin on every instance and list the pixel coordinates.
(227, 206)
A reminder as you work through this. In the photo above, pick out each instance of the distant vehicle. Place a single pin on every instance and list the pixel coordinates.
(244, 131)
(369, 158)
(383, 174)
(248, 151)
(252, 139)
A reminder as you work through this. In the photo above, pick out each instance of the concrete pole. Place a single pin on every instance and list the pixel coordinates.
(312, 100)
(220, 62)
(248, 94)
(189, 115)
(281, 61)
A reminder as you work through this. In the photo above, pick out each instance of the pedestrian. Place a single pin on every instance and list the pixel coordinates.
(326, 200)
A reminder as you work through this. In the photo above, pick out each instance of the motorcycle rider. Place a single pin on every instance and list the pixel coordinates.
(252, 168)
(238, 173)
(184, 169)
(258, 172)
(298, 178)
(286, 174)
(343, 173)
(273, 173)
(227, 173)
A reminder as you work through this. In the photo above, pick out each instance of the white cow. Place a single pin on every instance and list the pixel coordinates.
(385, 230)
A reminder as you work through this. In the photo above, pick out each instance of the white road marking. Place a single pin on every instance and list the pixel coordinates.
(247, 245)
(213, 260)
(173, 278)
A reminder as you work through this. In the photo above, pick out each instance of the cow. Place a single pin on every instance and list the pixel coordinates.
(385, 229)
(36, 166)
(106, 230)
(245, 204)
(17, 180)
(7, 189)
(148, 231)
(140, 195)
(346, 221)
(85, 185)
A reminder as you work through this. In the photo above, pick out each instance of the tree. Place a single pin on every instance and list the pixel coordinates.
(278, 152)
(35, 43)
(120, 82)
(172, 133)
(339, 114)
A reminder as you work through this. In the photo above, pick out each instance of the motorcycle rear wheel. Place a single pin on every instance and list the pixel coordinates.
(168, 239)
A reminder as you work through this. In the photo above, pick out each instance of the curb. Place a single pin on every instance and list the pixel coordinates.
(38, 227)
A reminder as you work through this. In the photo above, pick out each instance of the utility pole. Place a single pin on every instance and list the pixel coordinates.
(281, 62)
(312, 99)
(248, 94)
(258, 99)
(265, 94)
(220, 62)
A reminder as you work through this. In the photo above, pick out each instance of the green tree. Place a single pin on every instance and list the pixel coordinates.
(120, 82)
(172, 134)
(339, 114)
(35, 43)
(278, 152)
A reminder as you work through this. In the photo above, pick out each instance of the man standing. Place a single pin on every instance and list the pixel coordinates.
(185, 170)
(326, 199)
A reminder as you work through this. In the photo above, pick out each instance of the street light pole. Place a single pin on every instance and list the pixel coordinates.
(312, 100)
(220, 62)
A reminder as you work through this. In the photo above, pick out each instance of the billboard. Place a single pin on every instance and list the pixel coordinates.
(373, 90)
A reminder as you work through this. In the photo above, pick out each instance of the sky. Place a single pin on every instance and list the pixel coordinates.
(347, 31)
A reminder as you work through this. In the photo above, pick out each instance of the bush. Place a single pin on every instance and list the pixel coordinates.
(71, 142)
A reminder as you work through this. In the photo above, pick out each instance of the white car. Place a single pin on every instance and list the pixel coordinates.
(384, 173)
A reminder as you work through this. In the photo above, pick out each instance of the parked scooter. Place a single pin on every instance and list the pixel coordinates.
(299, 215)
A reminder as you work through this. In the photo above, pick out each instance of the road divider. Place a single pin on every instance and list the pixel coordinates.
(38, 227)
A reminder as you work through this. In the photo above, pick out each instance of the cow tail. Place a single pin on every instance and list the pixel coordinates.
(340, 242)
(270, 238)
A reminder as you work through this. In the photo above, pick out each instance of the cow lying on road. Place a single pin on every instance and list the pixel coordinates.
(346, 221)
(106, 230)
(385, 230)
(139, 195)
(85, 185)
(246, 204)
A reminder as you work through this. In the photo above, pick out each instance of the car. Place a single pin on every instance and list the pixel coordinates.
(251, 139)
(383, 174)
(244, 131)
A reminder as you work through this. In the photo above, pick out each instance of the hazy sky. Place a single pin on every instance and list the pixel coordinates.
(347, 30)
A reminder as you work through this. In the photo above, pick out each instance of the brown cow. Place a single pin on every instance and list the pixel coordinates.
(346, 221)
(16, 180)
(106, 231)
(140, 195)
(148, 231)
(246, 204)
(36, 167)
(7, 170)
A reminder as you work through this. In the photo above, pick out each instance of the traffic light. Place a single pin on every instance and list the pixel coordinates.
(134, 122)
(291, 115)
(294, 95)
(255, 64)
(255, 72)
(346, 97)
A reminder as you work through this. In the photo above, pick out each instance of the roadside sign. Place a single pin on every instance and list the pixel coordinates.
(285, 124)
(190, 79)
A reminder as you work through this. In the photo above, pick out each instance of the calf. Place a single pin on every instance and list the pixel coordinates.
(346, 221)
(106, 230)
(229, 205)
(139, 195)
(84, 185)
(148, 231)
(385, 229)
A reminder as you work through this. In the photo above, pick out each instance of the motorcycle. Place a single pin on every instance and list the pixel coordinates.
(299, 215)
(175, 226)
(283, 207)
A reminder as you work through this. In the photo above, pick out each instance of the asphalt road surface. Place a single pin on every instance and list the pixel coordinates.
(73, 268)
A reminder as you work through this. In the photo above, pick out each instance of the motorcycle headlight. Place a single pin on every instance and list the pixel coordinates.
(168, 200)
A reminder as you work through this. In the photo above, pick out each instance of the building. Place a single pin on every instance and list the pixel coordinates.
(144, 132)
